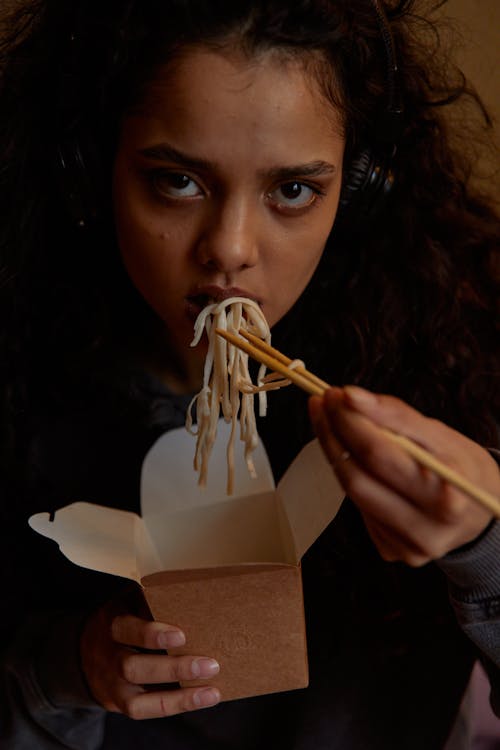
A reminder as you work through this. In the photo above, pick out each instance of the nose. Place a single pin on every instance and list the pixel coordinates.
(228, 239)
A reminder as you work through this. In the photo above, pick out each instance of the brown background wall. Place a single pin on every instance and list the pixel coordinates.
(479, 21)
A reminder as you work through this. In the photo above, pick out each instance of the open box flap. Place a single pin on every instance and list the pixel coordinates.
(193, 526)
(310, 496)
(190, 526)
(185, 526)
(105, 539)
(169, 482)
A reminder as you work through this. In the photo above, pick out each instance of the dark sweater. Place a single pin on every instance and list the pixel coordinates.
(388, 661)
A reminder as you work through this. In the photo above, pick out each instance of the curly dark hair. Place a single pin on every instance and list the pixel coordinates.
(403, 304)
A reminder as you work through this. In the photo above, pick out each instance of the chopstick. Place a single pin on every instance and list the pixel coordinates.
(278, 362)
(322, 384)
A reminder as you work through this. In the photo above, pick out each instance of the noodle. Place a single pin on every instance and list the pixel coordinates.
(227, 385)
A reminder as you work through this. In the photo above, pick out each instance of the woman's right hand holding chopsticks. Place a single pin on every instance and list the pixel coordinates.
(411, 513)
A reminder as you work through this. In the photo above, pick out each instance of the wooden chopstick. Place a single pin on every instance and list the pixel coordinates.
(273, 363)
(263, 346)
(278, 362)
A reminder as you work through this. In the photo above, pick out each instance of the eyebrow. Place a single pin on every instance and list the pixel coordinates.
(310, 169)
(165, 152)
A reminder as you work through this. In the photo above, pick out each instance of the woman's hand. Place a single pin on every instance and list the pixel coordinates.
(411, 514)
(122, 679)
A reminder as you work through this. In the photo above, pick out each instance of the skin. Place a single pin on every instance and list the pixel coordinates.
(411, 514)
(226, 220)
(227, 175)
(204, 189)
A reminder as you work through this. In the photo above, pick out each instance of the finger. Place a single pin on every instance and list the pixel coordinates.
(155, 705)
(376, 454)
(386, 483)
(333, 449)
(418, 484)
(394, 546)
(373, 497)
(406, 531)
(316, 404)
(375, 473)
(139, 633)
(153, 669)
(396, 415)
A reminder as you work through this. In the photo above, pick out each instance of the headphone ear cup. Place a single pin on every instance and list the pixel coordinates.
(366, 185)
(355, 179)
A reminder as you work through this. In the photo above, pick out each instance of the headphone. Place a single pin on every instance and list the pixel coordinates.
(369, 179)
(366, 185)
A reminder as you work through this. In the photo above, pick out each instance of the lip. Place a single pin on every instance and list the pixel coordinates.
(200, 296)
(220, 293)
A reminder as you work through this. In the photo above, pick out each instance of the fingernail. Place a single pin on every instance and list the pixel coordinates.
(359, 396)
(206, 697)
(171, 638)
(204, 667)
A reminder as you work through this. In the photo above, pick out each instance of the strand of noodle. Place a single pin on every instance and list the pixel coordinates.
(209, 435)
(200, 323)
(189, 417)
(248, 430)
(250, 433)
(235, 407)
(254, 389)
(220, 366)
(259, 327)
(208, 429)
(201, 398)
(204, 402)
(209, 398)
(234, 321)
(273, 381)
(227, 386)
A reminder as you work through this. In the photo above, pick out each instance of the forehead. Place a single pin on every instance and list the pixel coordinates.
(224, 100)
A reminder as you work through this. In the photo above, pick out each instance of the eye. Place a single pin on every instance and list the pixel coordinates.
(175, 185)
(293, 194)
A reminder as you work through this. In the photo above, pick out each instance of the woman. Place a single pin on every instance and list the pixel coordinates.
(161, 155)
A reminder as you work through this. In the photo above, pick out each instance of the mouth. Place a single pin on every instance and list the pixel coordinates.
(209, 295)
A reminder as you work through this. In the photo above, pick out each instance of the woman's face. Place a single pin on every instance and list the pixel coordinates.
(226, 182)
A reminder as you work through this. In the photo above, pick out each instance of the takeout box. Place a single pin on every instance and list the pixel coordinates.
(224, 569)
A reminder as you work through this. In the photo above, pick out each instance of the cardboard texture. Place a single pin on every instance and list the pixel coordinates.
(224, 569)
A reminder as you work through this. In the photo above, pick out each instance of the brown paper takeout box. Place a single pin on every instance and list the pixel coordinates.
(224, 569)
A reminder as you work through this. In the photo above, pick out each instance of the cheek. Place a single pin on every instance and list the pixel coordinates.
(143, 254)
(291, 275)
(146, 259)
(319, 234)
(307, 253)
(138, 233)
(303, 261)
(142, 240)
(150, 243)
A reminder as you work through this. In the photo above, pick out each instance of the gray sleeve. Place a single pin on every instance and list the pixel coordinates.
(473, 574)
(44, 701)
